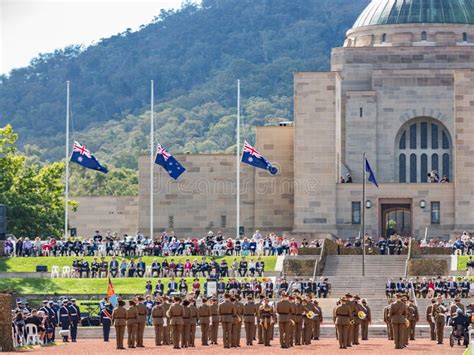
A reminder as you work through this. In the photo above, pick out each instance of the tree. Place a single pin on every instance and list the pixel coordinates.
(33, 194)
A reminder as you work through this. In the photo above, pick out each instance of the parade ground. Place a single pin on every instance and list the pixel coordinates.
(324, 346)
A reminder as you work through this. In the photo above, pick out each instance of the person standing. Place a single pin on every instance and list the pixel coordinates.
(386, 319)
(227, 311)
(309, 309)
(250, 313)
(342, 317)
(299, 310)
(158, 314)
(352, 323)
(132, 315)
(214, 327)
(413, 317)
(141, 321)
(106, 321)
(438, 313)
(176, 314)
(75, 316)
(357, 320)
(430, 319)
(64, 318)
(317, 320)
(398, 313)
(204, 313)
(193, 318)
(119, 319)
(366, 321)
(267, 318)
(283, 309)
(237, 322)
(185, 330)
(166, 321)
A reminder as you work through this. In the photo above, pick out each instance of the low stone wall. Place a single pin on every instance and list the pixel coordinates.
(309, 251)
(426, 267)
(299, 266)
(6, 340)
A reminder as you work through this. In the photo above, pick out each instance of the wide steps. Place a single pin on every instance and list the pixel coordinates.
(375, 265)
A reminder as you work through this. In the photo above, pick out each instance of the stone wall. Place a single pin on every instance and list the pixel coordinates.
(6, 340)
(105, 213)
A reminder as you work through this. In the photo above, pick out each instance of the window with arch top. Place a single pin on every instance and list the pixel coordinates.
(424, 36)
(422, 146)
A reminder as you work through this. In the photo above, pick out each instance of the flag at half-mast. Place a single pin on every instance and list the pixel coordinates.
(82, 156)
(111, 294)
(168, 162)
(252, 157)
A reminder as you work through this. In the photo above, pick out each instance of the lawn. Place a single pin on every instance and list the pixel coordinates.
(29, 264)
(47, 286)
(462, 262)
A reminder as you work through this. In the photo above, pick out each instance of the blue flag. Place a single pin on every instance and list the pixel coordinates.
(252, 157)
(83, 156)
(169, 163)
(369, 171)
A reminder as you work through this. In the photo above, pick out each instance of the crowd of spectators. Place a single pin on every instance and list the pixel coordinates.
(169, 267)
(23, 315)
(448, 287)
(166, 244)
(462, 245)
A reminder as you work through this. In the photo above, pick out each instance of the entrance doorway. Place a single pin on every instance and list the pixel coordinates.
(396, 219)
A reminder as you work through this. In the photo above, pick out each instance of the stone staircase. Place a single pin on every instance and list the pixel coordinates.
(375, 265)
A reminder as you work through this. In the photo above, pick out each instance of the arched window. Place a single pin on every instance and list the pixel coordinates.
(424, 36)
(464, 37)
(422, 146)
(384, 38)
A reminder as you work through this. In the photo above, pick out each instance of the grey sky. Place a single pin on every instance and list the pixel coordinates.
(30, 27)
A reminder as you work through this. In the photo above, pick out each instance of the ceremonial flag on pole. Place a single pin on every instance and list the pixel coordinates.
(168, 162)
(252, 157)
(82, 156)
(369, 171)
(111, 294)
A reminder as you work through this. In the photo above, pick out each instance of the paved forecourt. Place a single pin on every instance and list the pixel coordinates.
(324, 346)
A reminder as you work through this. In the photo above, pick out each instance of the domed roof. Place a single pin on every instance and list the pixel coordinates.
(387, 12)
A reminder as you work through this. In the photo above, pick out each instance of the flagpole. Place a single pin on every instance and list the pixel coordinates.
(152, 151)
(67, 163)
(238, 161)
(363, 214)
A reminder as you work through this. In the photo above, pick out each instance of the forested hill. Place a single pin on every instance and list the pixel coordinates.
(195, 55)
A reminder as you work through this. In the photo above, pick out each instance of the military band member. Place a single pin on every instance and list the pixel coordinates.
(357, 320)
(430, 319)
(227, 312)
(308, 322)
(299, 310)
(132, 316)
(166, 321)
(214, 327)
(365, 321)
(258, 328)
(413, 317)
(250, 313)
(342, 317)
(438, 313)
(317, 320)
(398, 316)
(283, 309)
(176, 314)
(119, 319)
(352, 305)
(386, 319)
(291, 327)
(267, 318)
(193, 318)
(141, 321)
(158, 314)
(204, 313)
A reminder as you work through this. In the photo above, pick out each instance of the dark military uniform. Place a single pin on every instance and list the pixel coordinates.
(365, 322)
(106, 321)
(413, 317)
(317, 320)
(430, 320)
(299, 309)
(75, 316)
(64, 320)
(308, 324)
(439, 319)
(342, 317)
(398, 315)
(119, 319)
(386, 319)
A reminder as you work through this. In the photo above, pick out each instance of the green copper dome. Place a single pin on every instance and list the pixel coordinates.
(387, 12)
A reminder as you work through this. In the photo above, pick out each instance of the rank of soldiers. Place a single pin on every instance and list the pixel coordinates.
(175, 320)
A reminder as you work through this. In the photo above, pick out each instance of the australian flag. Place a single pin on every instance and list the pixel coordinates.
(83, 156)
(168, 162)
(369, 171)
(252, 157)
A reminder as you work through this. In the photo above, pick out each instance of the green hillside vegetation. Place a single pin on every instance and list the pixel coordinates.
(29, 264)
(195, 55)
(462, 262)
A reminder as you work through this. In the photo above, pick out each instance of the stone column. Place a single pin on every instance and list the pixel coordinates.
(6, 340)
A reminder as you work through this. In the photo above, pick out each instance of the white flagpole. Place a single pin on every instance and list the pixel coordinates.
(238, 161)
(67, 163)
(152, 155)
